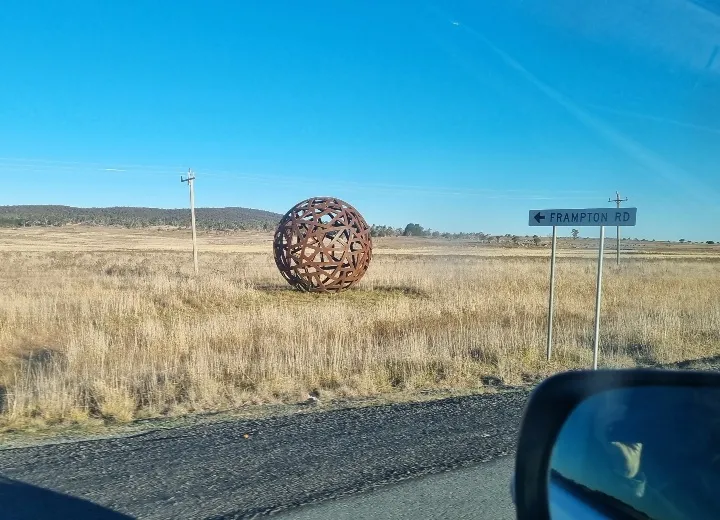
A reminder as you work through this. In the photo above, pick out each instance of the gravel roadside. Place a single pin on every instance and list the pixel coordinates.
(246, 468)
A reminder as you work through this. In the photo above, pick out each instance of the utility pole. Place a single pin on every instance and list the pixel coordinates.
(191, 182)
(617, 200)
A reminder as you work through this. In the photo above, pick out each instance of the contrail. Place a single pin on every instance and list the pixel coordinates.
(632, 148)
(649, 117)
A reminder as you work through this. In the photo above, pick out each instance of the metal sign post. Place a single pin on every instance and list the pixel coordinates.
(552, 294)
(598, 296)
(597, 217)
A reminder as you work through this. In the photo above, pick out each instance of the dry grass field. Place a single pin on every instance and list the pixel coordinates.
(111, 325)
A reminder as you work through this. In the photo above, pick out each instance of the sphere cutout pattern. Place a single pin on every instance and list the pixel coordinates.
(322, 244)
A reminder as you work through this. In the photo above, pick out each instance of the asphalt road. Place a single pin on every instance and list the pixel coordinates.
(478, 492)
(248, 468)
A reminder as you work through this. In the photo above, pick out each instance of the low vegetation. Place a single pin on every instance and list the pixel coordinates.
(119, 335)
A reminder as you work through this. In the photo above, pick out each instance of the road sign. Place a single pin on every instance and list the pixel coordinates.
(583, 217)
(599, 217)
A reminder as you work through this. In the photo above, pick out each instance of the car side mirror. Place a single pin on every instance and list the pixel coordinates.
(621, 444)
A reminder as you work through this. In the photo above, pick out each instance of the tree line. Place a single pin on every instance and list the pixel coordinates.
(219, 219)
(416, 230)
(231, 218)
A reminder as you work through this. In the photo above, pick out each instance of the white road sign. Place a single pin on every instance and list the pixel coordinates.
(583, 217)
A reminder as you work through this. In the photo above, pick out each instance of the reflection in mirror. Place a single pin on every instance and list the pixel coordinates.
(639, 453)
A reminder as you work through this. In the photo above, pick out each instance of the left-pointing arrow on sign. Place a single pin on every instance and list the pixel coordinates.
(539, 216)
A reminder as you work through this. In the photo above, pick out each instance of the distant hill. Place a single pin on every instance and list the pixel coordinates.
(207, 218)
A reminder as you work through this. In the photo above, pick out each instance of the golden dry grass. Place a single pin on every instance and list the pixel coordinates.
(118, 335)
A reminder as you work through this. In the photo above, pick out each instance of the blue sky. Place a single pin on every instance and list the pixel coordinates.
(458, 115)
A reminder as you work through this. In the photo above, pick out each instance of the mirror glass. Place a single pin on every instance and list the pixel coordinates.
(639, 452)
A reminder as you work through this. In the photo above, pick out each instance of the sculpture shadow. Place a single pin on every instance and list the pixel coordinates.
(275, 288)
(377, 291)
(21, 501)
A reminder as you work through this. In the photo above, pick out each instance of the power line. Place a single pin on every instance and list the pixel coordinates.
(102, 169)
(75, 164)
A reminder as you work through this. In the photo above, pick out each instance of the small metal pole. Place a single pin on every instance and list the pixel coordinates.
(596, 342)
(552, 294)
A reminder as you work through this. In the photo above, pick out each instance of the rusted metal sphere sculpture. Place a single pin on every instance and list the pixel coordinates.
(322, 245)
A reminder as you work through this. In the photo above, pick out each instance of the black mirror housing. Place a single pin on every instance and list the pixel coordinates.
(552, 403)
